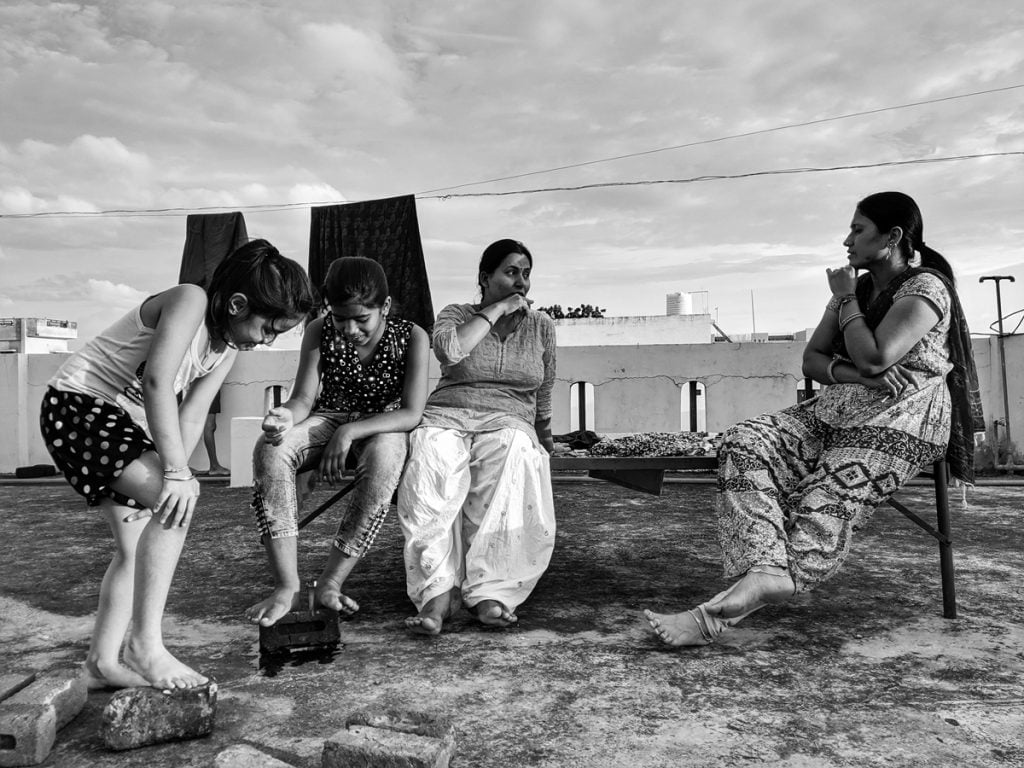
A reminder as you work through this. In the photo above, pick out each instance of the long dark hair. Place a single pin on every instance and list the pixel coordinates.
(895, 209)
(275, 286)
(495, 253)
(356, 279)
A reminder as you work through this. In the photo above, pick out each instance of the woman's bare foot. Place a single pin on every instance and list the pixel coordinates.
(329, 595)
(434, 613)
(100, 675)
(267, 612)
(160, 669)
(760, 586)
(679, 629)
(494, 614)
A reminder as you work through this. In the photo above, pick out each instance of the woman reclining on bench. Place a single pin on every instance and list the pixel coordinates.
(793, 486)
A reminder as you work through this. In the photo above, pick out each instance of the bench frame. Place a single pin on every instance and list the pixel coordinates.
(647, 474)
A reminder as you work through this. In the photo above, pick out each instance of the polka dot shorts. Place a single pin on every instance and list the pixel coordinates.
(91, 442)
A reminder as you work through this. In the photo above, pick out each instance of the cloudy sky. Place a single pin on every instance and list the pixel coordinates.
(168, 104)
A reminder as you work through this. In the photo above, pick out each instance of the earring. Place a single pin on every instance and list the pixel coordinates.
(892, 249)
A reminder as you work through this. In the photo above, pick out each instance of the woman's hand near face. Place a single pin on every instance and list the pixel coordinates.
(513, 303)
(842, 280)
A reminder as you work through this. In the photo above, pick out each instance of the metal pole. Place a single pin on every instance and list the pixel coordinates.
(1002, 354)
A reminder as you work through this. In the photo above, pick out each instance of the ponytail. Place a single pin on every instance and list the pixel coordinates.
(932, 259)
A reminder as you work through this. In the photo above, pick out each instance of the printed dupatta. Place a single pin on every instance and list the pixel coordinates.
(962, 380)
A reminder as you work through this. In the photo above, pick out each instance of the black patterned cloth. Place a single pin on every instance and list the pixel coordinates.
(91, 442)
(351, 386)
(386, 231)
(794, 486)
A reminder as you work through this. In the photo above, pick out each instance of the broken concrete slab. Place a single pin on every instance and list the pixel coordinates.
(64, 690)
(27, 733)
(365, 745)
(245, 756)
(136, 717)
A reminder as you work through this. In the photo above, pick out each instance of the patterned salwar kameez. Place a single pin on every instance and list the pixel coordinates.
(794, 486)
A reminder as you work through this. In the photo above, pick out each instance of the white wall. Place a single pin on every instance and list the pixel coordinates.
(637, 388)
(634, 331)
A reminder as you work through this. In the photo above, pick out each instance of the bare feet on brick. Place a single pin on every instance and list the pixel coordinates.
(434, 613)
(494, 614)
(762, 585)
(161, 670)
(329, 595)
(267, 612)
(101, 674)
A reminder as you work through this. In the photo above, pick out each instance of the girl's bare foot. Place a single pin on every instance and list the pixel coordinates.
(680, 629)
(267, 612)
(760, 586)
(329, 595)
(161, 670)
(102, 674)
(434, 613)
(494, 614)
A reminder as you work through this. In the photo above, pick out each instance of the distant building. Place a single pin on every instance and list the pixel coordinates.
(35, 335)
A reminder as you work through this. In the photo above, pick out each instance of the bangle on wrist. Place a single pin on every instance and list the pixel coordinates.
(176, 470)
(850, 319)
(179, 479)
(830, 372)
(836, 303)
(484, 317)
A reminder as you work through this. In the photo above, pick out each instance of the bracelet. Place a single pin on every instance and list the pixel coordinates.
(836, 303)
(830, 371)
(175, 470)
(847, 321)
(179, 479)
(485, 317)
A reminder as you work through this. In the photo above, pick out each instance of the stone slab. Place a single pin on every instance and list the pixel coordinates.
(368, 747)
(407, 721)
(136, 717)
(65, 691)
(27, 733)
(245, 756)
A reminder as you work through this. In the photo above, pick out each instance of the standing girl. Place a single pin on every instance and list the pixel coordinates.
(371, 374)
(111, 420)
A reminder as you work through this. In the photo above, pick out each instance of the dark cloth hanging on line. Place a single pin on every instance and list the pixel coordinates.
(386, 231)
(209, 238)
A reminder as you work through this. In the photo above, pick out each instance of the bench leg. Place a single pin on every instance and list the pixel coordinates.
(941, 474)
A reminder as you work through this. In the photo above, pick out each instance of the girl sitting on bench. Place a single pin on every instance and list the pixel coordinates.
(370, 370)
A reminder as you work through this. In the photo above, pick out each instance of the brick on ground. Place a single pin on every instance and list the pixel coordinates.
(136, 717)
(245, 756)
(390, 739)
(33, 710)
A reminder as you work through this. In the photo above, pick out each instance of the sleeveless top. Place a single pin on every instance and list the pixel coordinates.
(111, 365)
(348, 385)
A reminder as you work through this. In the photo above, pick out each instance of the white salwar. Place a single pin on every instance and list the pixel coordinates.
(477, 513)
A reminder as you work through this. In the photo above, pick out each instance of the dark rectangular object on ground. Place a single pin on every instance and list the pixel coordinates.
(301, 629)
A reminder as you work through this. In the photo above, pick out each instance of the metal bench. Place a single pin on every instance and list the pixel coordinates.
(647, 474)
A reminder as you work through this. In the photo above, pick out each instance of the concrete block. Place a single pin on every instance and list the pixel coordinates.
(244, 756)
(135, 717)
(65, 691)
(244, 432)
(12, 682)
(301, 629)
(391, 739)
(27, 733)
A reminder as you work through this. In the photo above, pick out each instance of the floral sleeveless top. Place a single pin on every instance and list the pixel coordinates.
(348, 385)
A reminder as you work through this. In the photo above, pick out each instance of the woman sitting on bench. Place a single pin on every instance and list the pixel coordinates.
(793, 486)
(370, 371)
(475, 502)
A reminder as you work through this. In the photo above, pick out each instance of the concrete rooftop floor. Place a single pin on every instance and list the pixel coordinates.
(864, 672)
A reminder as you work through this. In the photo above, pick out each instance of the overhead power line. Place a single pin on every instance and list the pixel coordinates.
(723, 177)
(744, 135)
(429, 194)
